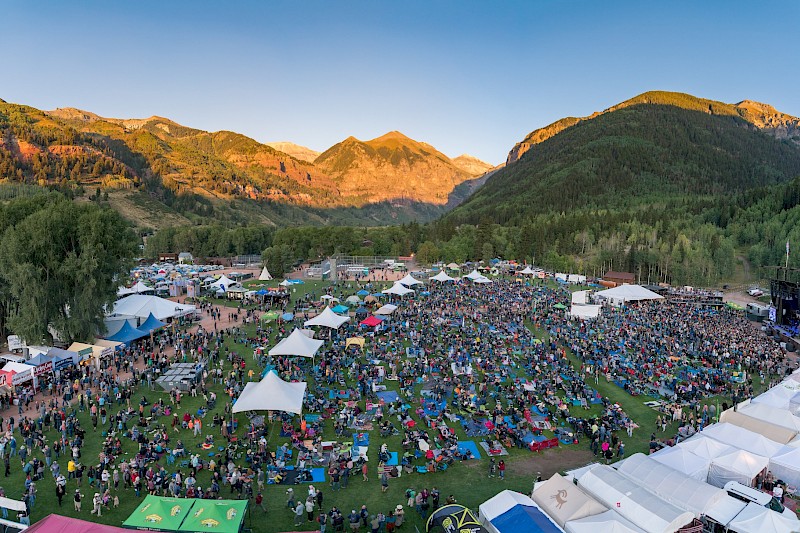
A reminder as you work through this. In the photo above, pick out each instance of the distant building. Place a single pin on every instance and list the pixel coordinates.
(185, 258)
(164, 257)
(620, 278)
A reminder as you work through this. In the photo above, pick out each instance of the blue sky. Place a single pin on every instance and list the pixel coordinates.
(464, 76)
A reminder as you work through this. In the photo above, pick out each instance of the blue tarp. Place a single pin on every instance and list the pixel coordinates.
(287, 316)
(127, 334)
(524, 518)
(151, 324)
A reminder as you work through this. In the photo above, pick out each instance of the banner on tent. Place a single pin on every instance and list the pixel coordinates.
(44, 368)
(22, 377)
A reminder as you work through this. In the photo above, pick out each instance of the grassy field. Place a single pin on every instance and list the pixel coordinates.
(467, 481)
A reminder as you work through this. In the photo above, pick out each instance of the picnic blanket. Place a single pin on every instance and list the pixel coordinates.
(477, 428)
(360, 439)
(363, 422)
(388, 396)
(338, 395)
(493, 453)
(317, 476)
(464, 445)
(529, 438)
(394, 459)
(359, 452)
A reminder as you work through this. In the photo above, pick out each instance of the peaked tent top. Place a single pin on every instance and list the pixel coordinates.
(398, 289)
(409, 281)
(297, 343)
(441, 276)
(629, 293)
(151, 324)
(271, 394)
(265, 275)
(128, 333)
(474, 275)
(327, 319)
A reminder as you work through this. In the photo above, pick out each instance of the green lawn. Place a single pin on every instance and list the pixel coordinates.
(468, 481)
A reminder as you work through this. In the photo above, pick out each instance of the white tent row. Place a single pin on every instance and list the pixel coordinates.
(327, 319)
(398, 289)
(755, 518)
(705, 447)
(682, 460)
(633, 501)
(576, 278)
(442, 277)
(742, 438)
(139, 288)
(785, 465)
(222, 283)
(740, 466)
(297, 343)
(271, 394)
(781, 396)
(685, 492)
(773, 415)
(140, 305)
(585, 312)
(607, 522)
(766, 429)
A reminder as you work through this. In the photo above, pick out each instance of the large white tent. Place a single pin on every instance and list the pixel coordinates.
(684, 461)
(685, 492)
(328, 319)
(779, 396)
(785, 465)
(511, 512)
(297, 343)
(442, 277)
(265, 275)
(482, 280)
(271, 394)
(741, 438)
(769, 430)
(628, 293)
(410, 281)
(473, 275)
(140, 305)
(607, 522)
(740, 465)
(580, 297)
(755, 518)
(563, 501)
(222, 283)
(387, 309)
(398, 290)
(705, 447)
(527, 271)
(633, 501)
(585, 312)
(774, 415)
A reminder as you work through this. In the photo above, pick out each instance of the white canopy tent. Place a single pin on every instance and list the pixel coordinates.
(265, 275)
(576, 278)
(398, 290)
(271, 394)
(527, 516)
(684, 461)
(473, 275)
(327, 319)
(755, 518)
(633, 501)
(585, 312)
(285, 283)
(740, 465)
(410, 281)
(527, 271)
(769, 430)
(628, 293)
(705, 447)
(607, 522)
(774, 415)
(297, 343)
(570, 502)
(725, 510)
(139, 288)
(779, 396)
(482, 280)
(442, 277)
(785, 465)
(579, 297)
(222, 283)
(387, 309)
(140, 305)
(685, 492)
(741, 438)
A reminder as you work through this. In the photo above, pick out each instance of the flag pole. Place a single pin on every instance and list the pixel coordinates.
(787, 254)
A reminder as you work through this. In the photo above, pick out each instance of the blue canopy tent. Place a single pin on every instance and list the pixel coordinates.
(151, 324)
(127, 334)
(63, 358)
(362, 292)
(40, 359)
(340, 309)
(362, 311)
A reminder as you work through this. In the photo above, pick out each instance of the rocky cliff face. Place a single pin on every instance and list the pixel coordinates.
(471, 165)
(770, 120)
(295, 150)
(391, 167)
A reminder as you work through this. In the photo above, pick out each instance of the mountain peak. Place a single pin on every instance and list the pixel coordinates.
(393, 135)
(295, 150)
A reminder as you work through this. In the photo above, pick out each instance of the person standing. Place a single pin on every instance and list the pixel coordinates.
(77, 499)
(298, 513)
(60, 491)
(384, 481)
(323, 521)
(364, 470)
(310, 508)
(260, 501)
(97, 504)
(501, 467)
(492, 467)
